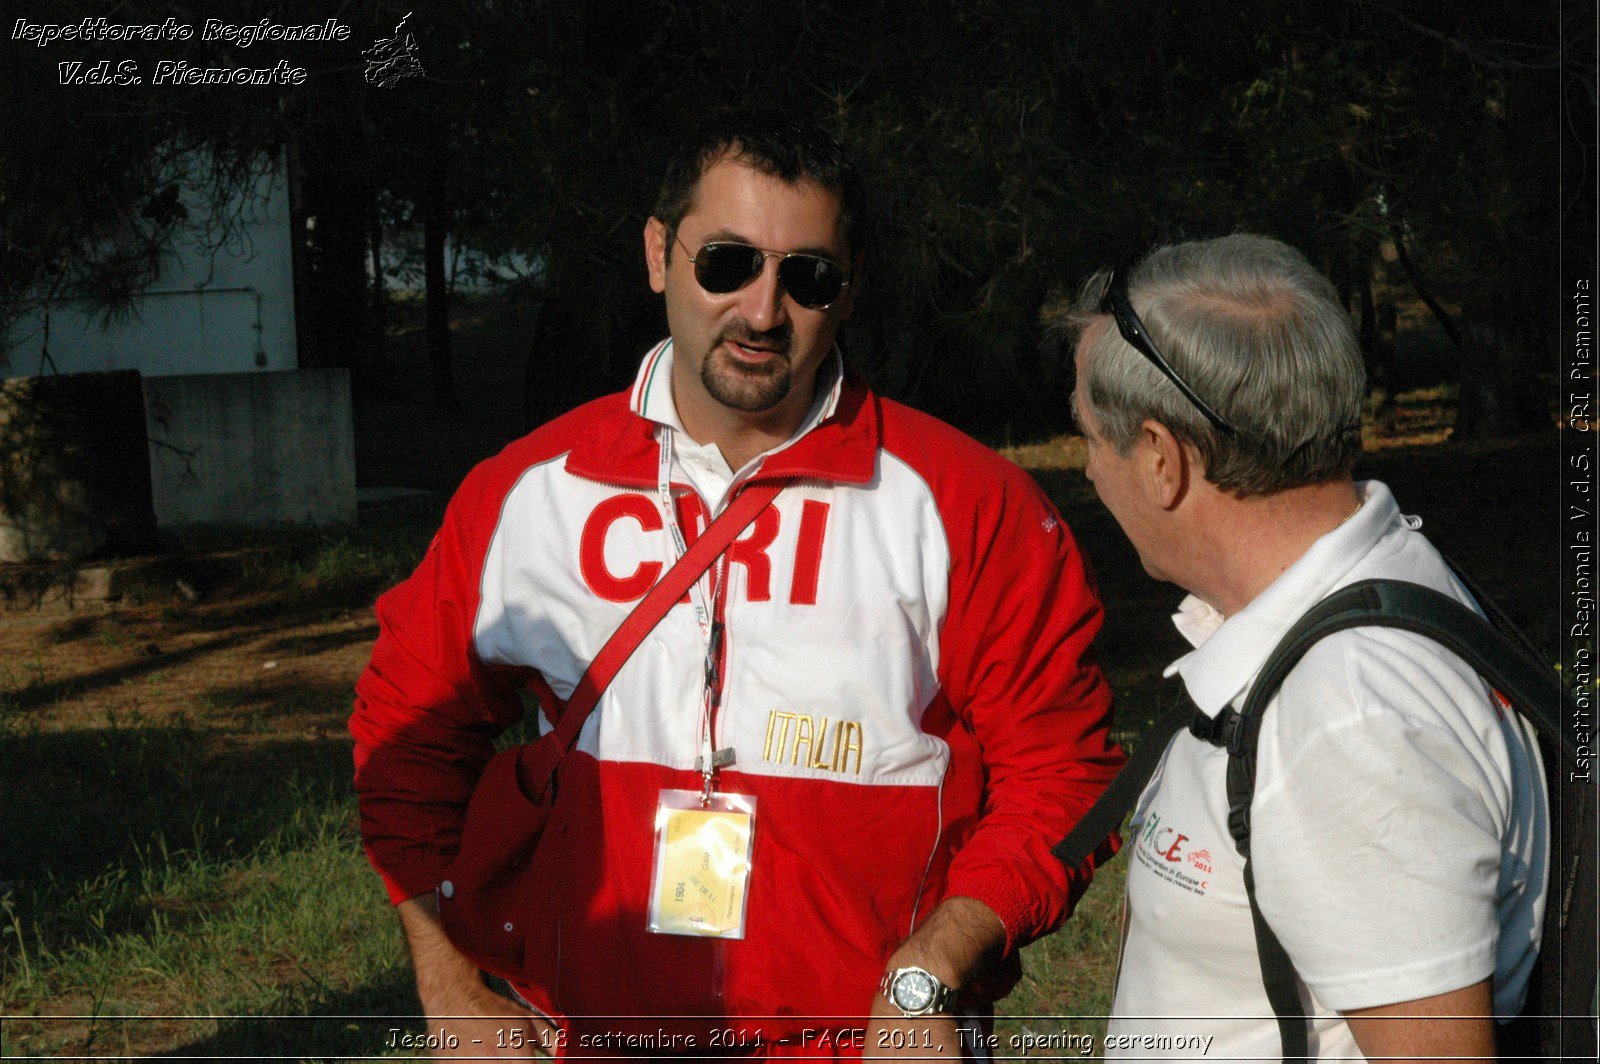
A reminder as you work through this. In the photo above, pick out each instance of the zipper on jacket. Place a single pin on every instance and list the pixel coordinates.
(717, 662)
(714, 664)
(716, 676)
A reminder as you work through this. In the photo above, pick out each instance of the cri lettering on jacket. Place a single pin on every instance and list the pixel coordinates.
(751, 550)
(793, 738)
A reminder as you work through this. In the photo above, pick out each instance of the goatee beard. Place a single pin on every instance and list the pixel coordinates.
(743, 386)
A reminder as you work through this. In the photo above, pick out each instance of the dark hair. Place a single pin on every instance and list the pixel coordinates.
(791, 150)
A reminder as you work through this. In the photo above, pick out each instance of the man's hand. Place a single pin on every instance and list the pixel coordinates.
(891, 1036)
(959, 937)
(467, 1018)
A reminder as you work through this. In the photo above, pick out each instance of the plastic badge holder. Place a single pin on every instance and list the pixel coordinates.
(702, 864)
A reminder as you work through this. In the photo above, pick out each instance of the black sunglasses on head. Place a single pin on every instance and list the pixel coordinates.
(723, 266)
(1115, 302)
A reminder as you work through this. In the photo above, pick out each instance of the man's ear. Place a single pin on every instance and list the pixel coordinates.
(655, 253)
(1165, 463)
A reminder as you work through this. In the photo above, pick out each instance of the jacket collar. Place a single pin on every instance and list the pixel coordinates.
(842, 446)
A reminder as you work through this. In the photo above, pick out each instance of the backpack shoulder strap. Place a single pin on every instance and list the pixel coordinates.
(1108, 811)
(1511, 668)
(1505, 659)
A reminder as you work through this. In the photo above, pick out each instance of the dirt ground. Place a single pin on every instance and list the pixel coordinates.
(255, 655)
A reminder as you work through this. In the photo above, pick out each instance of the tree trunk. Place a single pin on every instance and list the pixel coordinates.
(547, 376)
(435, 226)
(1378, 323)
(1441, 315)
(306, 340)
(380, 292)
(337, 207)
(596, 321)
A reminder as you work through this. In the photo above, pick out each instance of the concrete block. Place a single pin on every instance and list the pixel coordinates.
(252, 448)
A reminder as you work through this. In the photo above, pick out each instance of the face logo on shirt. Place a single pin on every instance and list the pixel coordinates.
(801, 739)
(1155, 836)
(751, 551)
(1160, 848)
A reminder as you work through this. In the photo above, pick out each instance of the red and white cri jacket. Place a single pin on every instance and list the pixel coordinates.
(907, 685)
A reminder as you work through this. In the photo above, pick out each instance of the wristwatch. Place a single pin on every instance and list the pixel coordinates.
(916, 991)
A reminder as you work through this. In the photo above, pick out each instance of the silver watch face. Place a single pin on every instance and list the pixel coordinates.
(914, 991)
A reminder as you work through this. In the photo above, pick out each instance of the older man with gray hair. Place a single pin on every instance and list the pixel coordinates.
(1398, 826)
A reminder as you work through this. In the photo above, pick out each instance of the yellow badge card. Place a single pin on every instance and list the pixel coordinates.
(702, 865)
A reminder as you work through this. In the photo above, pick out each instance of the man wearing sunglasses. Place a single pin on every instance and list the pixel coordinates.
(888, 675)
(1398, 823)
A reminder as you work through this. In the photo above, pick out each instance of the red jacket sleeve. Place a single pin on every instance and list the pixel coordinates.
(427, 709)
(1016, 666)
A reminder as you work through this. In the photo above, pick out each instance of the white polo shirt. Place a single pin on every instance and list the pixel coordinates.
(1399, 827)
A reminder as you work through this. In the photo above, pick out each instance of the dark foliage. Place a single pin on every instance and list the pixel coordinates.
(1010, 147)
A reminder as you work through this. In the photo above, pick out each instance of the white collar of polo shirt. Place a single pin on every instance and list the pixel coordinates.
(652, 400)
(1230, 651)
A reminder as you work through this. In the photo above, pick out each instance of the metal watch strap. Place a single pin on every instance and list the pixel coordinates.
(943, 995)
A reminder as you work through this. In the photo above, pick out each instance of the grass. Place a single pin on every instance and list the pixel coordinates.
(260, 904)
(122, 959)
(163, 879)
(341, 562)
(1067, 979)
(206, 859)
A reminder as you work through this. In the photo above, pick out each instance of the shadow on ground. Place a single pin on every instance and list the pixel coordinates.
(38, 695)
(307, 1023)
(86, 806)
(346, 1025)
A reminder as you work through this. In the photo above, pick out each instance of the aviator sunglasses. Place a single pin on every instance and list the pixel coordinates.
(1116, 303)
(723, 266)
